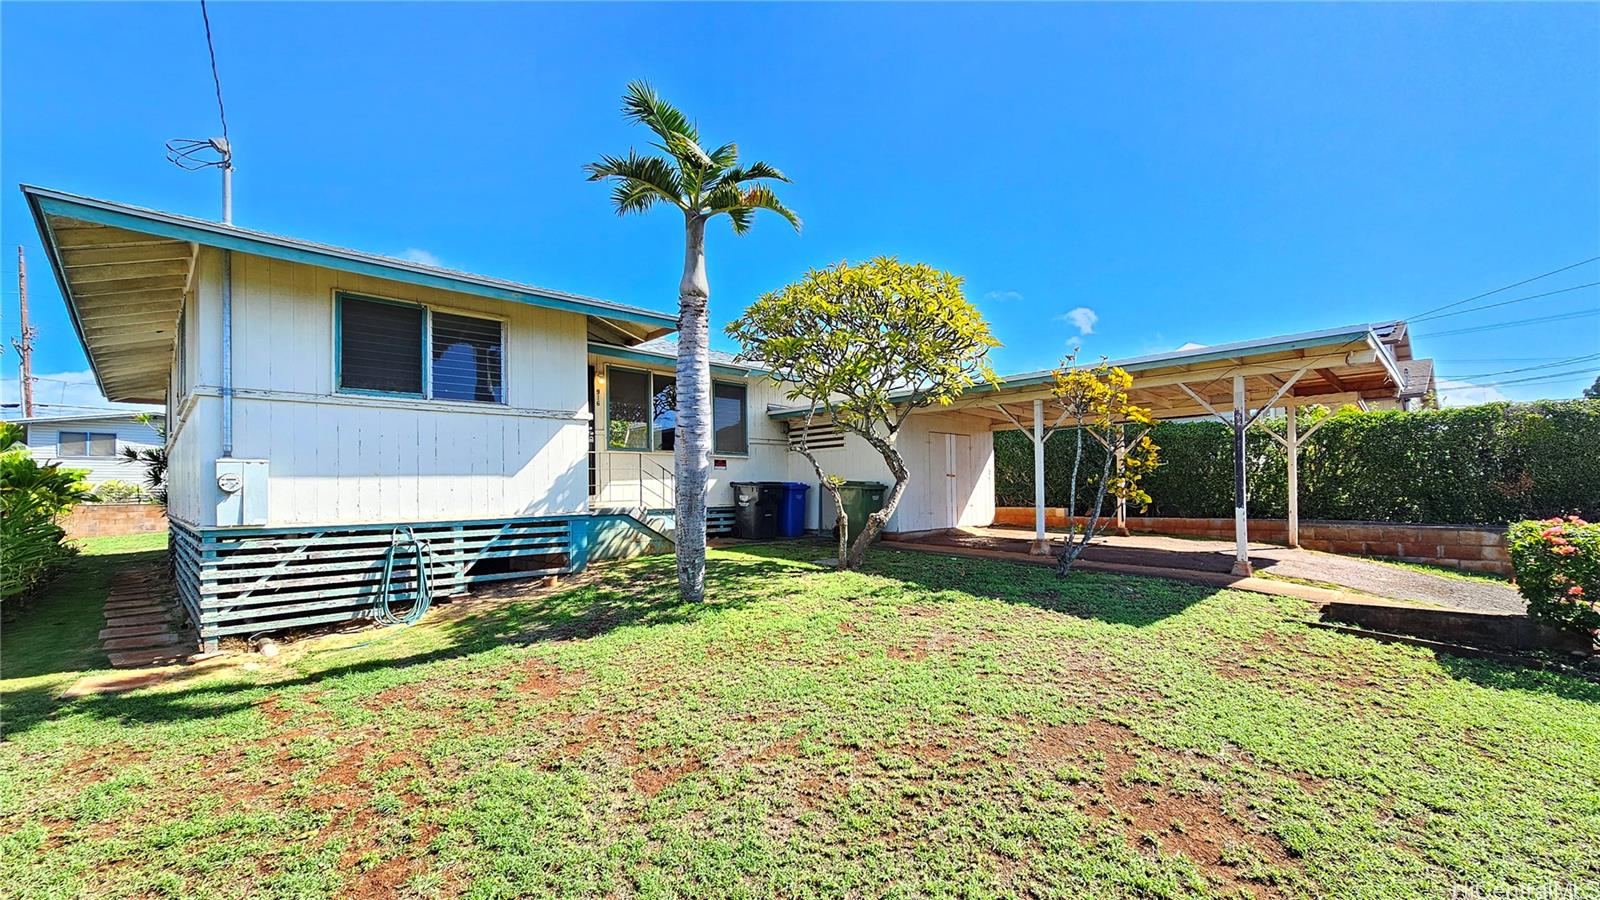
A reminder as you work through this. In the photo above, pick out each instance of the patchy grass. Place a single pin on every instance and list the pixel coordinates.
(933, 726)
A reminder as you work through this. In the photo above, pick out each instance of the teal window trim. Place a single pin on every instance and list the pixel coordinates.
(649, 422)
(427, 350)
(651, 433)
(744, 417)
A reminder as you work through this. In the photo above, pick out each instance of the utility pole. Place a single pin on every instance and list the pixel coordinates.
(24, 344)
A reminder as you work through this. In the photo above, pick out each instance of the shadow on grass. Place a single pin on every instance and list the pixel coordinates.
(636, 593)
(1114, 599)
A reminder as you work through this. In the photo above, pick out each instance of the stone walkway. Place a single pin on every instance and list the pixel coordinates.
(142, 621)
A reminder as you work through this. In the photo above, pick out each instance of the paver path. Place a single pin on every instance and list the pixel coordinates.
(142, 620)
(1352, 573)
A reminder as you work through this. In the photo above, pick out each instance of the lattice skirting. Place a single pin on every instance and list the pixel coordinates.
(243, 581)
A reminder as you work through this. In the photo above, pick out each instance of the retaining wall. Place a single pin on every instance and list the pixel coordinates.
(104, 519)
(1466, 547)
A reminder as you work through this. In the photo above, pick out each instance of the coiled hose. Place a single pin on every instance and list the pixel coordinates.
(403, 540)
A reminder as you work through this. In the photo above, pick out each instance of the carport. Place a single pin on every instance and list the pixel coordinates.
(1238, 383)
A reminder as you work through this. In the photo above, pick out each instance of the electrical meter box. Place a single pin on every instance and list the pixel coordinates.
(241, 492)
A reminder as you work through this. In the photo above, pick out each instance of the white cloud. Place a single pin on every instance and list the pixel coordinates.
(1465, 393)
(1003, 296)
(419, 255)
(1082, 318)
(61, 394)
(1190, 345)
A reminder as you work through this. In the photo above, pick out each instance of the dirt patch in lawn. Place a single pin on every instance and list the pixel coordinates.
(1133, 792)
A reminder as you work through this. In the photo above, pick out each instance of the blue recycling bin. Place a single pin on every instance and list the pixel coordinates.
(792, 510)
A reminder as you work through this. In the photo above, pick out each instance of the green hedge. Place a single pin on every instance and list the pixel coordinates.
(1479, 464)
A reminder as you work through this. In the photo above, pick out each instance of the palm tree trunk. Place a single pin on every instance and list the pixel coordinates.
(692, 456)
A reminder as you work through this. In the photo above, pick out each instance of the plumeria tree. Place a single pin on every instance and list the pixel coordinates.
(702, 184)
(866, 346)
(1094, 402)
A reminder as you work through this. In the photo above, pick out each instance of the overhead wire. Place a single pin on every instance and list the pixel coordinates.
(1429, 312)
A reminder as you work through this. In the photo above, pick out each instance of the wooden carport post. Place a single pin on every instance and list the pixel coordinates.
(1292, 446)
(1122, 464)
(1241, 522)
(1041, 544)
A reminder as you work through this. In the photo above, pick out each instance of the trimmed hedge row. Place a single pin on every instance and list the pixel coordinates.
(1486, 464)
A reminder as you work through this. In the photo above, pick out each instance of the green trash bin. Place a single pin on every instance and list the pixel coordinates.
(860, 499)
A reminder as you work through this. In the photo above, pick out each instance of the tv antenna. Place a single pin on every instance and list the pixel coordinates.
(194, 154)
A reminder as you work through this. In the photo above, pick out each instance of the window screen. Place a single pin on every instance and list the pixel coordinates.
(664, 411)
(627, 409)
(380, 346)
(727, 418)
(86, 443)
(466, 359)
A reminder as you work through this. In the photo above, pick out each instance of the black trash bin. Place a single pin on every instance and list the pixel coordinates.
(756, 505)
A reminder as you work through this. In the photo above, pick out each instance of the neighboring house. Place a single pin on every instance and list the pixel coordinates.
(93, 442)
(335, 415)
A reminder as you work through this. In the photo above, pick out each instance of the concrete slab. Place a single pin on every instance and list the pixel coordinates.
(162, 639)
(151, 619)
(133, 630)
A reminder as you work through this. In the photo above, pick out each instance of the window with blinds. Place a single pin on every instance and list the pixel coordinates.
(466, 359)
(728, 417)
(380, 346)
(86, 443)
(642, 413)
(381, 351)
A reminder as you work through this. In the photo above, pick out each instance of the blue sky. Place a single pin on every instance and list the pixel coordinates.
(1184, 173)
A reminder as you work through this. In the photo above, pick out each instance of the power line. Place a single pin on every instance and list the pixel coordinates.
(1429, 312)
(215, 78)
(1515, 322)
(1462, 312)
(1548, 365)
(1554, 376)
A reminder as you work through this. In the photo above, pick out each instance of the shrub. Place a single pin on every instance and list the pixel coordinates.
(32, 496)
(120, 492)
(1558, 571)
(1493, 463)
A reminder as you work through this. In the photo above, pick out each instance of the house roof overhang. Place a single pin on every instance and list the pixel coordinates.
(124, 270)
(1351, 364)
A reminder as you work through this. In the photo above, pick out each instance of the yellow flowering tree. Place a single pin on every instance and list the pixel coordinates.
(1095, 401)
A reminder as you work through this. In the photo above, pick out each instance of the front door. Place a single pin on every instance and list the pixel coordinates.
(594, 448)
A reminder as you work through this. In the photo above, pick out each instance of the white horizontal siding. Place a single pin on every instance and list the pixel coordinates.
(342, 459)
(44, 443)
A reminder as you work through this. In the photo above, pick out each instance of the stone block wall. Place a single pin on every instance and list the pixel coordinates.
(1465, 547)
(104, 519)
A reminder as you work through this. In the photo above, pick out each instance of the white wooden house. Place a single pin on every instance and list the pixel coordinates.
(326, 406)
(321, 398)
(93, 442)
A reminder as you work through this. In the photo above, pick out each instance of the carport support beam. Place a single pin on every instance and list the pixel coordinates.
(1241, 526)
(1293, 448)
(1041, 545)
(1122, 464)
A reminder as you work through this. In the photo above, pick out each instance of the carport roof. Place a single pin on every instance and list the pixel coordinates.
(1352, 363)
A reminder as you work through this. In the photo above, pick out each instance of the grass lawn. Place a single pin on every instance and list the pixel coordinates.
(933, 726)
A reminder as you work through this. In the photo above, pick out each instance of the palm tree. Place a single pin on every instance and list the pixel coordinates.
(702, 185)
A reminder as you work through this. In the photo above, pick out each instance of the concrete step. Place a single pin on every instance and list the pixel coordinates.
(125, 631)
(162, 639)
(130, 659)
(149, 619)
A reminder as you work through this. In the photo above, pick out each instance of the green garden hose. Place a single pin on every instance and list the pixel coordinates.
(402, 540)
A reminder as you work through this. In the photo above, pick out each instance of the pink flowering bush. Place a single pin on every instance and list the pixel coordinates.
(1558, 571)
